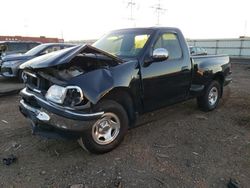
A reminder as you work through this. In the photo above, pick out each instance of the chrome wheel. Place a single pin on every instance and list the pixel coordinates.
(213, 96)
(106, 129)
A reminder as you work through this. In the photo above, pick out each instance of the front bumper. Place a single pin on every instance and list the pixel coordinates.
(48, 117)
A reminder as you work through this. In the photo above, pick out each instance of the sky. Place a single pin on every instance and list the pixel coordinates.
(90, 19)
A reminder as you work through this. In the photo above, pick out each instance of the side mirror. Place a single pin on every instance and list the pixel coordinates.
(160, 54)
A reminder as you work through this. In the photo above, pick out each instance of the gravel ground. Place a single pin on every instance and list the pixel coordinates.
(178, 146)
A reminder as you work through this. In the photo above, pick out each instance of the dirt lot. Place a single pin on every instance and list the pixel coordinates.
(178, 146)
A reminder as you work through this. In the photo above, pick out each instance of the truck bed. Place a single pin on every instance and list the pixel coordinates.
(209, 60)
(205, 68)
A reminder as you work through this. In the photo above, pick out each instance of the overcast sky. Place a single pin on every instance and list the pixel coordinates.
(90, 19)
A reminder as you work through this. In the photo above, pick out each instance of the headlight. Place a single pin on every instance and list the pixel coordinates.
(68, 96)
(56, 94)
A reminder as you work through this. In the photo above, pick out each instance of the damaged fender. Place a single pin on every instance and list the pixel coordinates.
(98, 83)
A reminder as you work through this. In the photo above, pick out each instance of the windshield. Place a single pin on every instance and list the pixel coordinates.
(36, 50)
(123, 44)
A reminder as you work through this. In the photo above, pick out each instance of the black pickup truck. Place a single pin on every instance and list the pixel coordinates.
(95, 93)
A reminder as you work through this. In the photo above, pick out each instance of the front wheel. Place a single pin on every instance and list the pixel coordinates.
(108, 131)
(210, 99)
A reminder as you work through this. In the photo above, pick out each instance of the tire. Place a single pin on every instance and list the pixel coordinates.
(113, 125)
(209, 101)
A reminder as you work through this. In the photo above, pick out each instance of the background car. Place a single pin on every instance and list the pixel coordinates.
(195, 51)
(14, 47)
(10, 63)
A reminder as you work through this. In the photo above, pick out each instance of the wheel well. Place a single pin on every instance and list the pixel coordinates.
(220, 78)
(124, 98)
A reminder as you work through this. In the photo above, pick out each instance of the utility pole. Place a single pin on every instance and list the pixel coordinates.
(159, 11)
(131, 4)
(62, 34)
(245, 28)
(25, 26)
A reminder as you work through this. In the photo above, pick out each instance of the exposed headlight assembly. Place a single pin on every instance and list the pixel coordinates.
(56, 94)
(74, 96)
(68, 96)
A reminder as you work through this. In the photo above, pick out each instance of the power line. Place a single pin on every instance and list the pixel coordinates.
(159, 11)
(131, 4)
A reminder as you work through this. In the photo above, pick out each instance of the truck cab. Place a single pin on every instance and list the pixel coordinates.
(166, 81)
(94, 93)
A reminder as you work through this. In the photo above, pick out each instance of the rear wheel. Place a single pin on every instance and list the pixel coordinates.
(210, 99)
(108, 131)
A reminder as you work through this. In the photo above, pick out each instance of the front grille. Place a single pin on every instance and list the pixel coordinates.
(32, 80)
(37, 83)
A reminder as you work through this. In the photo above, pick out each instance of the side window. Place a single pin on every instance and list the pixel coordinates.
(51, 49)
(170, 42)
(56, 48)
(32, 45)
(63, 47)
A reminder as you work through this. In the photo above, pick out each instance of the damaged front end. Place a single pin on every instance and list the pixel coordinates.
(62, 87)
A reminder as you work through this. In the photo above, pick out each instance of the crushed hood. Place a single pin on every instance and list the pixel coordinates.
(65, 56)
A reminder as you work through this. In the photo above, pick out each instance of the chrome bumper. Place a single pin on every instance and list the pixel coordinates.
(61, 111)
(54, 116)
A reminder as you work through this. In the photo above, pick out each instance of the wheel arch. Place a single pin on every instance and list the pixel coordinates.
(124, 97)
(220, 78)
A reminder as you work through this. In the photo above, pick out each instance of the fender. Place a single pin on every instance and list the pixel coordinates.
(96, 84)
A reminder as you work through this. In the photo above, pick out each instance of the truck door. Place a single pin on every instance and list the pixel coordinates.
(168, 81)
